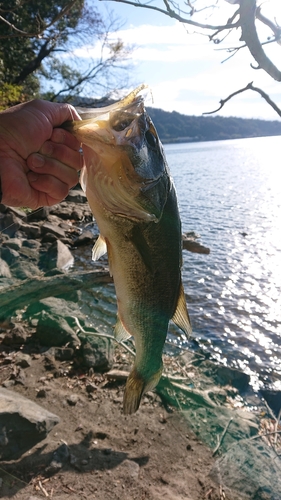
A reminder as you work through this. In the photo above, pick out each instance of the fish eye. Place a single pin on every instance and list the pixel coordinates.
(151, 139)
(119, 123)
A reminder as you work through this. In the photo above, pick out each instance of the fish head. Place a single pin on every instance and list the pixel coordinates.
(126, 170)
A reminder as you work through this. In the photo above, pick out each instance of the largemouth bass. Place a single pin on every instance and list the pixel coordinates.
(133, 200)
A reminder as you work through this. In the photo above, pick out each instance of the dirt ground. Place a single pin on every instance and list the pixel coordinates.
(105, 455)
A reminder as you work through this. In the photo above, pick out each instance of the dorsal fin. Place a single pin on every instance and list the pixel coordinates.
(181, 316)
(99, 248)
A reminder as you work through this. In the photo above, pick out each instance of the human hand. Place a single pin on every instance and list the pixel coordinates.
(39, 163)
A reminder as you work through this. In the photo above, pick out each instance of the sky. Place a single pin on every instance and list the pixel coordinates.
(186, 72)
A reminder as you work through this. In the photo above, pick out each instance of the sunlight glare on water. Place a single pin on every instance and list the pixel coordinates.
(230, 193)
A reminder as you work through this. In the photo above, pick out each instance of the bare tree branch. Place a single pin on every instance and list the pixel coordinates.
(171, 13)
(91, 74)
(248, 10)
(233, 51)
(20, 33)
(274, 28)
(248, 87)
(34, 64)
(248, 13)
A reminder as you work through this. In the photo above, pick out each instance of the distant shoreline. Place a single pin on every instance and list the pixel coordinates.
(173, 127)
(182, 140)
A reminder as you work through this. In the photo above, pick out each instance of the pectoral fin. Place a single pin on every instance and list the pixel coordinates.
(140, 244)
(99, 248)
(83, 179)
(181, 316)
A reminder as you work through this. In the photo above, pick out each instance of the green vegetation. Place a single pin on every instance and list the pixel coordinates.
(175, 127)
(38, 56)
(10, 95)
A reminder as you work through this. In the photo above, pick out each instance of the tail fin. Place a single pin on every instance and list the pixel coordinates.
(135, 387)
(133, 392)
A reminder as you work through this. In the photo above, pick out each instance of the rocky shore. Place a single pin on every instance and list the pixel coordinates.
(203, 434)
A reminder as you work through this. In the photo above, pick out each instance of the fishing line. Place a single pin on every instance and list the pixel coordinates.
(24, 219)
(70, 108)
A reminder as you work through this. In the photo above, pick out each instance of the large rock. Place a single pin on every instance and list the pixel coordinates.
(21, 214)
(22, 424)
(17, 335)
(30, 230)
(14, 243)
(23, 269)
(225, 375)
(85, 238)
(273, 399)
(35, 244)
(58, 307)
(9, 224)
(4, 269)
(53, 330)
(76, 196)
(9, 255)
(97, 352)
(63, 211)
(39, 214)
(48, 227)
(59, 256)
(251, 469)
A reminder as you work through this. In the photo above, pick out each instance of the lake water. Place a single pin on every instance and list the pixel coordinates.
(229, 193)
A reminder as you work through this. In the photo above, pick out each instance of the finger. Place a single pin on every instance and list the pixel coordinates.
(63, 153)
(53, 168)
(57, 113)
(53, 157)
(49, 188)
(16, 190)
(62, 136)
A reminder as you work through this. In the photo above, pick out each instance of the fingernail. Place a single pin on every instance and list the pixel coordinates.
(32, 177)
(38, 161)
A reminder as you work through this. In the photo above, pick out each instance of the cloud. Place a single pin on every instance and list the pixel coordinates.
(154, 35)
(185, 70)
(203, 92)
(167, 54)
(157, 43)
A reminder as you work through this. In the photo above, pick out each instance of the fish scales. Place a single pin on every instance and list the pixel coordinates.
(133, 199)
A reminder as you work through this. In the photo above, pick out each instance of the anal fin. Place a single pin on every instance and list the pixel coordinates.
(181, 316)
(120, 332)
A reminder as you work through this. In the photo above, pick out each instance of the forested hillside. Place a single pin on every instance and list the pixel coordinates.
(175, 127)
